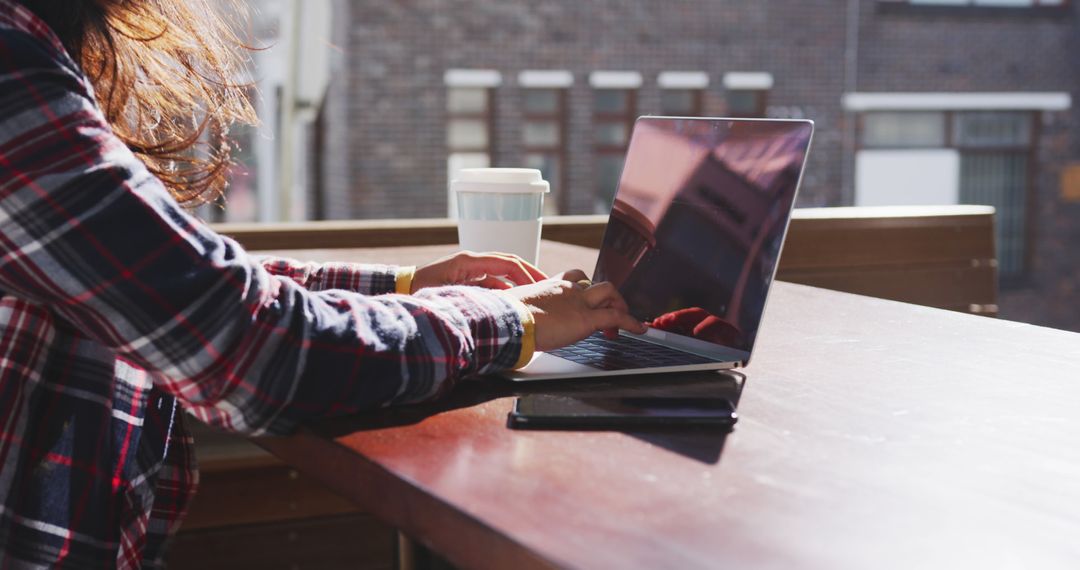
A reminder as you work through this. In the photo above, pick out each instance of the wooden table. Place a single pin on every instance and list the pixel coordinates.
(873, 434)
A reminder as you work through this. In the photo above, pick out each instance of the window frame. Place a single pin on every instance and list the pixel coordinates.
(761, 103)
(860, 126)
(487, 116)
(626, 117)
(698, 101)
(559, 150)
(1023, 276)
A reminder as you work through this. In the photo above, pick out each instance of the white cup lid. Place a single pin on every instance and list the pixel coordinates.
(500, 180)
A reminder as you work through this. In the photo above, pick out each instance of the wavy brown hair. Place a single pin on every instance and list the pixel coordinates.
(166, 76)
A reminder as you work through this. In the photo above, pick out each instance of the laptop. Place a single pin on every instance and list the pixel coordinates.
(692, 243)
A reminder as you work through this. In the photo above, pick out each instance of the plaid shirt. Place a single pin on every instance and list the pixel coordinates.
(118, 311)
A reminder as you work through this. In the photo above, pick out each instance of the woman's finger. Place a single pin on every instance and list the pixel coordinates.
(605, 295)
(605, 319)
(573, 275)
(491, 264)
(529, 268)
(493, 282)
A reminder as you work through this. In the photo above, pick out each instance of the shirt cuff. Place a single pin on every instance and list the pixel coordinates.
(528, 338)
(403, 280)
(499, 329)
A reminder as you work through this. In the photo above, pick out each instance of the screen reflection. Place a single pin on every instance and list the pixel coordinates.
(698, 220)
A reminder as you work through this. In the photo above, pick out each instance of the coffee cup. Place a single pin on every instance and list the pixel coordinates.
(500, 209)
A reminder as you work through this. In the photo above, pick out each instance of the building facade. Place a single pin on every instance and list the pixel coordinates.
(915, 101)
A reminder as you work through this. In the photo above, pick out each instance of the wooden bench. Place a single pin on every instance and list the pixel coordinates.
(253, 511)
(938, 256)
(934, 256)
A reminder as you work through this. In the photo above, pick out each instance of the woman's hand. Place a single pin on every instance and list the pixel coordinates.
(567, 308)
(490, 270)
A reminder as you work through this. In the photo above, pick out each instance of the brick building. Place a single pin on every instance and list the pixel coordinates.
(916, 101)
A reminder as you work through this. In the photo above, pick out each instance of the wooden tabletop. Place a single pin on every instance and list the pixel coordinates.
(873, 434)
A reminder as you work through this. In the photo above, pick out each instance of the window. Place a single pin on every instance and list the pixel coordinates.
(995, 163)
(682, 92)
(240, 201)
(747, 102)
(544, 140)
(613, 119)
(992, 129)
(979, 157)
(242, 193)
(469, 118)
(681, 102)
(904, 130)
(747, 93)
(270, 180)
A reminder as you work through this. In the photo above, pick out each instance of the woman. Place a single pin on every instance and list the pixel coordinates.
(119, 310)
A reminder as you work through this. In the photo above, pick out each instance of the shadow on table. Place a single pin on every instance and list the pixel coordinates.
(703, 444)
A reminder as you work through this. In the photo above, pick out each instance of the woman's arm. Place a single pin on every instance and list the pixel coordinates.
(87, 232)
(365, 278)
(491, 270)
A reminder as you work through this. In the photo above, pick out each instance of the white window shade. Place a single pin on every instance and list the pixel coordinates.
(907, 177)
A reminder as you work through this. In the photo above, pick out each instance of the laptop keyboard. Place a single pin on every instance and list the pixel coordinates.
(624, 353)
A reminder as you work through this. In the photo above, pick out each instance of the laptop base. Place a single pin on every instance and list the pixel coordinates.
(548, 367)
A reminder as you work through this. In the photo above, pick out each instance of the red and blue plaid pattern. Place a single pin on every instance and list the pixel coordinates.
(119, 311)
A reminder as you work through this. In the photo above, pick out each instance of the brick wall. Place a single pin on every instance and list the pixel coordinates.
(961, 49)
(386, 151)
(397, 53)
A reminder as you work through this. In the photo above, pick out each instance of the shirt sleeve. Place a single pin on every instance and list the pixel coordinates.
(366, 278)
(87, 232)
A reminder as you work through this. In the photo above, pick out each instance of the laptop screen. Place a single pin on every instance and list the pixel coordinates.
(698, 220)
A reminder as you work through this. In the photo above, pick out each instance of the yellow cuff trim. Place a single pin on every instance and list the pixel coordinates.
(528, 340)
(403, 283)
